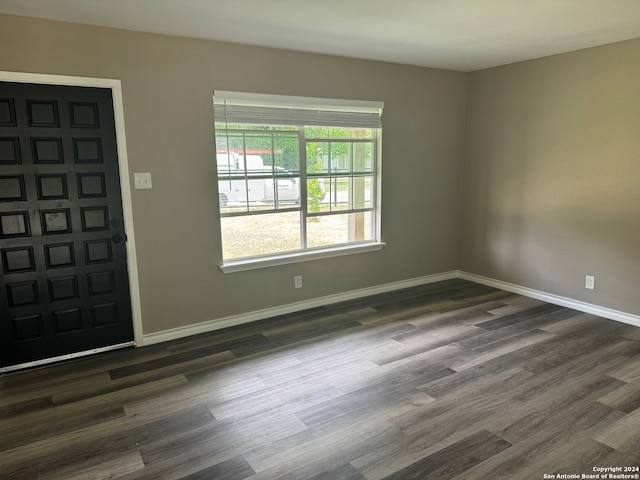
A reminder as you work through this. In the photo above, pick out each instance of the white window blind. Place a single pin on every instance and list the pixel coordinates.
(248, 108)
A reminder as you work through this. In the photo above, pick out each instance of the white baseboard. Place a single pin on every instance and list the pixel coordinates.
(554, 299)
(208, 326)
(211, 325)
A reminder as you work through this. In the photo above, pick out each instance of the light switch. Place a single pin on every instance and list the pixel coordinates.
(142, 180)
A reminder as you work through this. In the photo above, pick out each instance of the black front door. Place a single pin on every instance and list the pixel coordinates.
(64, 286)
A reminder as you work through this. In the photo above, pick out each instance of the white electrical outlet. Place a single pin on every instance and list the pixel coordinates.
(297, 281)
(590, 282)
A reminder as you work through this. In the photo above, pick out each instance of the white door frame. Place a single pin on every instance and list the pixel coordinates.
(125, 184)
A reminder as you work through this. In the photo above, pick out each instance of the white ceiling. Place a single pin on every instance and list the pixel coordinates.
(460, 35)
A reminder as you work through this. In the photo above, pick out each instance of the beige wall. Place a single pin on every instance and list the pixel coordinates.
(551, 183)
(167, 84)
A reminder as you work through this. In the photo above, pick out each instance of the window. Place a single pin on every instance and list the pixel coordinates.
(297, 177)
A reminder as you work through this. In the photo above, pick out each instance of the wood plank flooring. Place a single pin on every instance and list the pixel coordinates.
(447, 381)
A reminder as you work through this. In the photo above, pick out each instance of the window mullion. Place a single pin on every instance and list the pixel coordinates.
(274, 186)
(333, 190)
(246, 175)
(352, 181)
(376, 188)
(302, 142)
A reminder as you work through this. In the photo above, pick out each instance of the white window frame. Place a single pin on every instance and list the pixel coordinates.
(244, 107)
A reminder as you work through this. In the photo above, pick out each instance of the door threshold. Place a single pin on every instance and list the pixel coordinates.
(68, 356)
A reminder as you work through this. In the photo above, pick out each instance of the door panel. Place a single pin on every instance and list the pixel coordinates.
(64, 286)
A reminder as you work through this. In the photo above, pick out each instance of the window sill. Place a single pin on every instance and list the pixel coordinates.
(284, 259)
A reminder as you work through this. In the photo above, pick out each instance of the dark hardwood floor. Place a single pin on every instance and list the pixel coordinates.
(451, 380)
